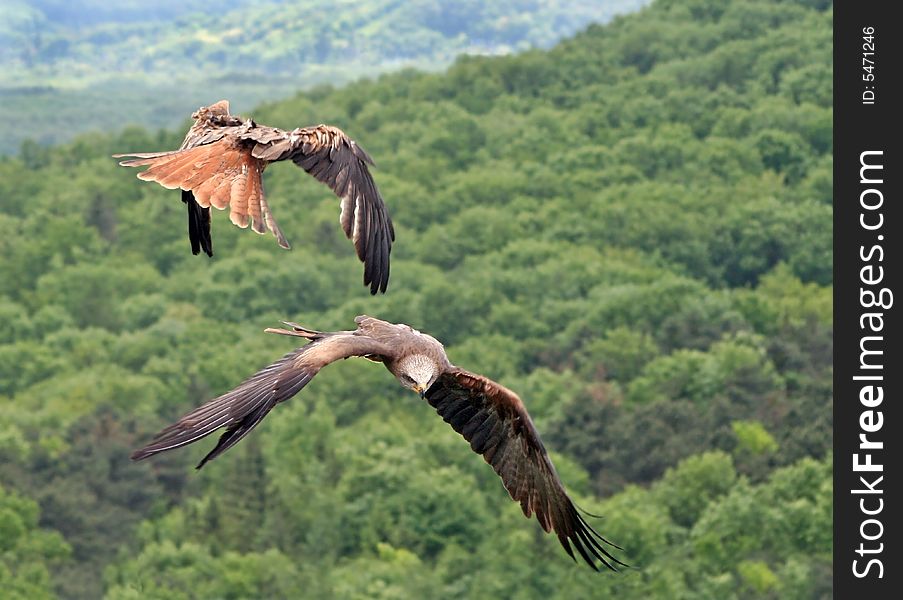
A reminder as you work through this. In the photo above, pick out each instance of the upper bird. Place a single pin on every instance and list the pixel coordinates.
(489, 416)
(221, 161)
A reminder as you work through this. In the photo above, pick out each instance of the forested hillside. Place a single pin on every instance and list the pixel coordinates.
(632, 230)
(70, 66)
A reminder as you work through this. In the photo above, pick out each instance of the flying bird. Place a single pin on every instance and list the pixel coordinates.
(488, 415)
(222, 159)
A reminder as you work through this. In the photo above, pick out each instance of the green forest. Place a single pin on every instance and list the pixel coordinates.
(71, 66)
(632, 229)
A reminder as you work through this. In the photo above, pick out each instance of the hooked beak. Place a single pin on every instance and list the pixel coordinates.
(420, 390)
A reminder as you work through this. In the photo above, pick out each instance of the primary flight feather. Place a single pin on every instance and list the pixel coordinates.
(488, 415)
(222, 159)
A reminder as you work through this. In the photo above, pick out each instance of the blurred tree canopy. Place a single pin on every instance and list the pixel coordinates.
(632, 230)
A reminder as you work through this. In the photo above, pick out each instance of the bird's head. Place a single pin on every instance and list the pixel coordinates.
(417, 372)
(220, 108)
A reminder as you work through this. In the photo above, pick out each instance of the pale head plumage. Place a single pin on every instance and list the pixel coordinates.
(417, 372)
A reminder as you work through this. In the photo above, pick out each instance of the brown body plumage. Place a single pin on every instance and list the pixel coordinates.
(222, 159)
(488, 415)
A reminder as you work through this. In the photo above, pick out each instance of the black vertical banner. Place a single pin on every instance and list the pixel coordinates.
(868, 261)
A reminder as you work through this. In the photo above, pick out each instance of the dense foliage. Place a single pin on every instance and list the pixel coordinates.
(70, 66)
(632, 230)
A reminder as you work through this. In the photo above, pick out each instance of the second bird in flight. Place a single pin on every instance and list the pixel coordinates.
(222, 159)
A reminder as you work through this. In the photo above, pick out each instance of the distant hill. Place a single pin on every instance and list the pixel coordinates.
(73, 66)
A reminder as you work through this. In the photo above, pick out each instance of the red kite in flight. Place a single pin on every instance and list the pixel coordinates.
(220, 164)
(488, 415)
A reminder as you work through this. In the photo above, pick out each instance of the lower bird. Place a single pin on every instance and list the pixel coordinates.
(222, 159)
(488, 415)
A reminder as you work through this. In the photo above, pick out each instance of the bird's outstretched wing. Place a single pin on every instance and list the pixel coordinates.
(338, 161)
(220, 174)
(495, 422)
(241, 409)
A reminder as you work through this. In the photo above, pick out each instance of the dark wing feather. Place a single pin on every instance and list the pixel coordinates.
(495, 422)
(198, 225)
(241, 409)
(338, 161)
